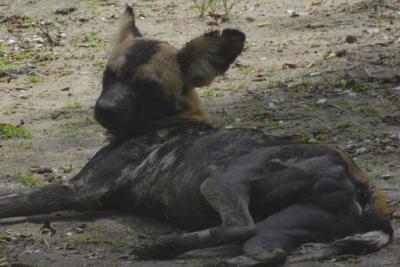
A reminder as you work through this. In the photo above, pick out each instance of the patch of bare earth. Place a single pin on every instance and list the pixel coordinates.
(329, 72)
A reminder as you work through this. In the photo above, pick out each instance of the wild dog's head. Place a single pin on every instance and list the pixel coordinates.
(147, 80)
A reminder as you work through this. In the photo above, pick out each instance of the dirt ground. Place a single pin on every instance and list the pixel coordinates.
(327, 70)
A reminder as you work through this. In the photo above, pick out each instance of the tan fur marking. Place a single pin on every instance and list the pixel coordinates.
(379, 205)
(196, 111)
(117, 57)
(122, 41)
(126, 22)
(164, 67)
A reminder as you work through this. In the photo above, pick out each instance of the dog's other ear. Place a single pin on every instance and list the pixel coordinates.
(209, 55)
(127, 26)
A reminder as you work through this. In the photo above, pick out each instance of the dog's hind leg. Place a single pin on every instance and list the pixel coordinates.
(286, 230)
(229, 197)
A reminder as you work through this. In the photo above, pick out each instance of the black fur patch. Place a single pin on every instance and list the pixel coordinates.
(135, 31)
(139, 54)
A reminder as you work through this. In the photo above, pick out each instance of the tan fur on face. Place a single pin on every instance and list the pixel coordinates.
(163, 66)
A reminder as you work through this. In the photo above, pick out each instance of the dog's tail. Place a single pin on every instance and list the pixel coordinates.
(356, 244)
(50, 198)
(367, 241)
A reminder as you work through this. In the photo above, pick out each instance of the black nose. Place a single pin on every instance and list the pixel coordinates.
(108, 114)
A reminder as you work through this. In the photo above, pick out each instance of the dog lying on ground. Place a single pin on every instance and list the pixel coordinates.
(166, 161)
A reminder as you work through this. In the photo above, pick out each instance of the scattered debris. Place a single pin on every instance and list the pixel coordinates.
(350, 39)
(80, 229)
(372, 31)
(67, 169)
(65, 10)
(47, 229)
(286, 66)
(212, 23)
(91, 255)
(68, 233)
(315, 74)
(264, 24)
(292, 13)
(57, 113)
(312, 64)
(70, 246)
(315, 26)
(43, 170)
(83, 19)
(260, 75)
(386, 176)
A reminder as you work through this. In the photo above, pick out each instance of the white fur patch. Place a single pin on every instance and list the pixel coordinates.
(378, 238)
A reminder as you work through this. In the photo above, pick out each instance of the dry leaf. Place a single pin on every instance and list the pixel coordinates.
(264, 24)
(212, 23)
(311, 64)
(286, 66)
(260, 75)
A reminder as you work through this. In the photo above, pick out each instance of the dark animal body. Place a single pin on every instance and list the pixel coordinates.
(271, 193)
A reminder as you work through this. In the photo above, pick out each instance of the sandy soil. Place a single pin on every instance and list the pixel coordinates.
(330, 74)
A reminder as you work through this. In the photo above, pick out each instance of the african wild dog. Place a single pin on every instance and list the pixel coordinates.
(270, 193)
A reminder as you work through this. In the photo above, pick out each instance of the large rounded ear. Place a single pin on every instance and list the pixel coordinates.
(127, 25)
(124, 38)
(209, 55)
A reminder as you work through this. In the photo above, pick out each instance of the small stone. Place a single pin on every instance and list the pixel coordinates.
(361, 150)
(292, 13)
(386, 176)
(57, 113)
(372, 31)
(79, 230)
(124, 257)
(68, 233)
(321, 101)
(70, 246)
(315, 74)
(42, 170)
(350, 39)
(65, 10)
(83, 19)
